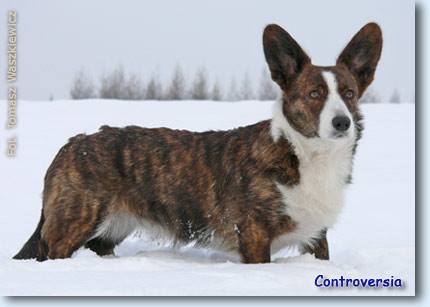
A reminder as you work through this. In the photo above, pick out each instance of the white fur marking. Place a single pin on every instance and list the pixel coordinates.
(333, 106)
(325, 164)
(116, 227)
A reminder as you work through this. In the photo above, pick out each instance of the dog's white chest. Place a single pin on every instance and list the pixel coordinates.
(315, 203)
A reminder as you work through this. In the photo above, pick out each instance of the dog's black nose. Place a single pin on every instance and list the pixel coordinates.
(341, 123)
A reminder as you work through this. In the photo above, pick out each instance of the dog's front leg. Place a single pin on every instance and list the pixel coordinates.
(254, 243)
(319, 248)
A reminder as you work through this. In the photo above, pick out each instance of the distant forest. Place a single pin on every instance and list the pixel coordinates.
(119, 84)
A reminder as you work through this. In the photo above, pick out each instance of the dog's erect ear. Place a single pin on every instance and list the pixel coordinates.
(362, 54)
(285, 57)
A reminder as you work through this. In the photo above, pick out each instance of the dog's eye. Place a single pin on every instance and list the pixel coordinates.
(349, 94)
(314, 94)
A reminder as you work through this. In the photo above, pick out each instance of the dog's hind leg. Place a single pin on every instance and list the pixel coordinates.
(101, 247)
(70, 221)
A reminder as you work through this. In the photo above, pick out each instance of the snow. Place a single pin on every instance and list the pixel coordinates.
(374, 236)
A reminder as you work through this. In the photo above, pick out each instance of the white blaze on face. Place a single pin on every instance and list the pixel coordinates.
(334, 106)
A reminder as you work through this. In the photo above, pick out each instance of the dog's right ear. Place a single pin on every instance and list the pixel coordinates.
(284, 56)
(362, 54)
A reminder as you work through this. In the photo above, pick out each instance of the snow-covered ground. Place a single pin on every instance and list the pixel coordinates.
(374, 237)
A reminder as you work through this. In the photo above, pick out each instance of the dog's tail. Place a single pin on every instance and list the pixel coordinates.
(35, 247)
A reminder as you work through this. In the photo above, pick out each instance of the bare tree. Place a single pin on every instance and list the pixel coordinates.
(82, 86)
(134, 88)
(154, 90)
(176, 90)
(199, 90)
(370, 96)
(395, 97)
(233, 93)
(216, 94)
(117, 85)
(246, 92)
(267, 90)
(113, 85)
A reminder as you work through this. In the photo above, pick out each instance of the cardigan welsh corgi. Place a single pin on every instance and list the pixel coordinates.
(254, 189)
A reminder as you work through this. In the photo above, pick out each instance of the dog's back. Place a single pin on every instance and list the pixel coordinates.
(192, 186)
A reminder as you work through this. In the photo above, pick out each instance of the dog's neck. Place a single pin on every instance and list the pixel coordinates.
(306, 148)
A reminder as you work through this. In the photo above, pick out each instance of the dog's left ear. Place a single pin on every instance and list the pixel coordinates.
(285, 57)
(362, 54)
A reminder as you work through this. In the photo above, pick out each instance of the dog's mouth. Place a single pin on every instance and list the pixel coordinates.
(339, 135)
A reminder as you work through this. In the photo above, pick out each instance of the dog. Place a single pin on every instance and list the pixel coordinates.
(253, 190)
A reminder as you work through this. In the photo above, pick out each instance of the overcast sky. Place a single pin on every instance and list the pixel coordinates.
(57, 38)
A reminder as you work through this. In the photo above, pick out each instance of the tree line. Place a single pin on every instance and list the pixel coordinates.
(371, 96)
(117, 84)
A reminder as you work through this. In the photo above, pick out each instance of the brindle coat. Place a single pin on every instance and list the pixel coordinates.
(197, 186)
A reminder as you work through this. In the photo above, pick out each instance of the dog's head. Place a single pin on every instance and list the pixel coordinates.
(322, 102)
